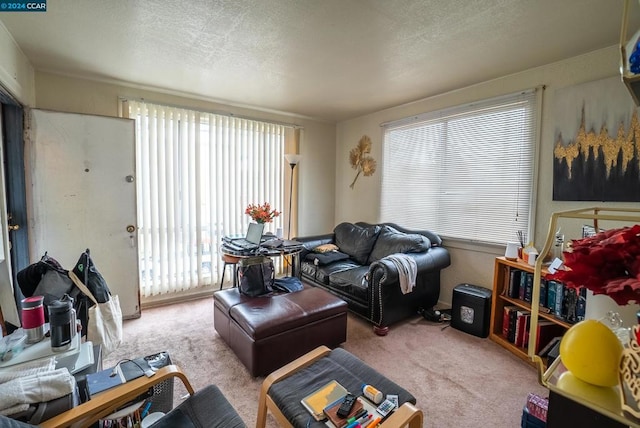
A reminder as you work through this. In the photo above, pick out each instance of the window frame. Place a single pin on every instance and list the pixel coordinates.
(389, 211)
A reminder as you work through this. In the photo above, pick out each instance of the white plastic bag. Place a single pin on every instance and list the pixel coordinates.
(105, 319)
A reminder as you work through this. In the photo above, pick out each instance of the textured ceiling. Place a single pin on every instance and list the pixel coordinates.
(326, 59)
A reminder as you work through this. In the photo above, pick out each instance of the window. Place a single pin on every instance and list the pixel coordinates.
(464, 172)
(196, 174)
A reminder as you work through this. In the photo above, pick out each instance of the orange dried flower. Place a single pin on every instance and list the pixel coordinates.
(261, 213)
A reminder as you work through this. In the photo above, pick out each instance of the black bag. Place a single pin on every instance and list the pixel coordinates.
(256, 276)
(46, 278)
(29, 278)
(87, 272)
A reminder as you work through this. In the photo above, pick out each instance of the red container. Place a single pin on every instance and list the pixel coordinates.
(33, 318)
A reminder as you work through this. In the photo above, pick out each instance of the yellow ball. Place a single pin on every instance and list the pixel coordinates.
(592, 352)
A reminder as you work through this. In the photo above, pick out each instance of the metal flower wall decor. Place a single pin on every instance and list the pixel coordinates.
(360, 159)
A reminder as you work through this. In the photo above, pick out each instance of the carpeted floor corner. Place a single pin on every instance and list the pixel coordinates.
(458, 379)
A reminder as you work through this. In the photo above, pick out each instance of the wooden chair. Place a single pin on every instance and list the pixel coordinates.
(208, 406)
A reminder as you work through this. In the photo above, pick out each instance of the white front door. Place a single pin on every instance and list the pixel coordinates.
(81, 181)
(7, 301)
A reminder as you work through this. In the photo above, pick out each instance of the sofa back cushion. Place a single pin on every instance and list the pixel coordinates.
(391, 241)
(356, 241)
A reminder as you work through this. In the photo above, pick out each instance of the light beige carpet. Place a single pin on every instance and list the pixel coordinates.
(459, 380)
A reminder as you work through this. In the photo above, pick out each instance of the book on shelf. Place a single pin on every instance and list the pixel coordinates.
(546, 331)
(506, 319)
(551, 295)
(528, 288)
(543, 292)
(514, 283)
(513, 317)
(506, 281)
(522, 326)
(523, 285)
(323, 397)
(549, 346)
(557, 310)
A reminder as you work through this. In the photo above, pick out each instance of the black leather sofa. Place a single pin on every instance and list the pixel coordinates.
(360, 272)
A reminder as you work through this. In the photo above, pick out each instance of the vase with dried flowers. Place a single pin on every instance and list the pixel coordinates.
(360, 160)
(261, 213)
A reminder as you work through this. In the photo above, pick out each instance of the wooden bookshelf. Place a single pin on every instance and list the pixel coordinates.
(501, 299)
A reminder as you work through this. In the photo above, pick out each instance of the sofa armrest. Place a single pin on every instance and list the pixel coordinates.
(387, 304)
(435, 259)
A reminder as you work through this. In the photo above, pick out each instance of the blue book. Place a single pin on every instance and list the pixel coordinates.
(557, 310)
(543, 293)
(551, 295)
(523, 285)
(528, 290)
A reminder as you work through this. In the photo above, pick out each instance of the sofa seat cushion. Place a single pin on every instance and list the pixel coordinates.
(322, 259)
(392, 241)
(308, 270)
(321, 274)
(351, 282)
(356, 241)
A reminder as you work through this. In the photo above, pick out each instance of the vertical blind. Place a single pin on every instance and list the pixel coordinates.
(464, 172)
(197, 172)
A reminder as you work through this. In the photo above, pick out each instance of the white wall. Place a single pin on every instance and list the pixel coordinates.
(316, 171)
(471, 264)
(16, 72)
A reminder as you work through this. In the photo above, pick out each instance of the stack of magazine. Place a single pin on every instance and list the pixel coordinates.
(323, 405)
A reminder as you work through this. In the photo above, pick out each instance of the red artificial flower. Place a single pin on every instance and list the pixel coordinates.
(606, 263)
(261, 213)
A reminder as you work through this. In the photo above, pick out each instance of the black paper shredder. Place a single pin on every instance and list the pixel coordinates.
(471, 309)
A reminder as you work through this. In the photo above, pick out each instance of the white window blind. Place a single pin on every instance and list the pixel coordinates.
(197, 172)
(465, 172)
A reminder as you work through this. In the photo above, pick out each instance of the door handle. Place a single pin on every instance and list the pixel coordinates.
(131, 228)
(12, 227)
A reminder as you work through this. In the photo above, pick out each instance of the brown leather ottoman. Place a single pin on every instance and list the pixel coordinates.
(267, 332)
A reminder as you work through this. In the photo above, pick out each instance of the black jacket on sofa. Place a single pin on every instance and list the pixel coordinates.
(360, 272)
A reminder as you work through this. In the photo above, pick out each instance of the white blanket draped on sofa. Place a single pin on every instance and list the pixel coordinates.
(407, 271)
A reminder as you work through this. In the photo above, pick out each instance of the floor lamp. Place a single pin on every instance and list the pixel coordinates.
(293, 160)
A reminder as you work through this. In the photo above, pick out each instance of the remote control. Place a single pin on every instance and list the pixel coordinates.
(347, 405)
(394, 399)
(386, 407)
